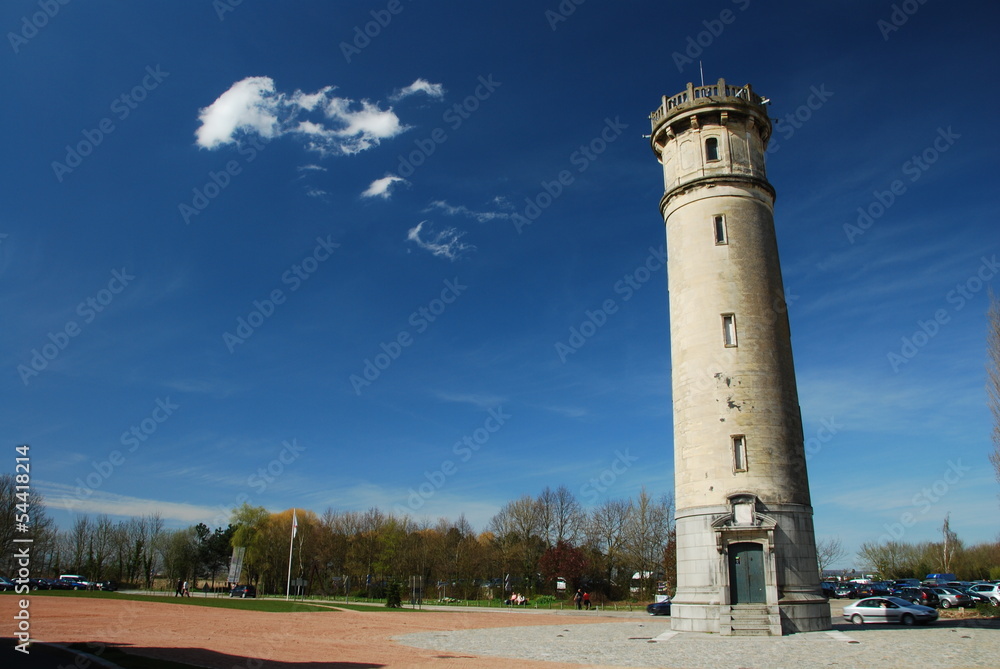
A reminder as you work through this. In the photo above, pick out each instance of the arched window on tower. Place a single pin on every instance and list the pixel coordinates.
(712, 149)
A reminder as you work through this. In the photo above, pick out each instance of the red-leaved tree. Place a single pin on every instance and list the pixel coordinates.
(564, 560)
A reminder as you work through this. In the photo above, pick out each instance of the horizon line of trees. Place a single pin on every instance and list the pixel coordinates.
(899, 559)
(525, 546)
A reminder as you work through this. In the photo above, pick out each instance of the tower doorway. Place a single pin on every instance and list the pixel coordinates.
(746, 574)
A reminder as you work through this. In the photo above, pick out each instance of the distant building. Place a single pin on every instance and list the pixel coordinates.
(746, 551)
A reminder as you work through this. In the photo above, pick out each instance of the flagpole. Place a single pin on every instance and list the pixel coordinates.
(291, 545)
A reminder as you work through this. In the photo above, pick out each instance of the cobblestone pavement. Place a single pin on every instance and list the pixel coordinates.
(650, 643)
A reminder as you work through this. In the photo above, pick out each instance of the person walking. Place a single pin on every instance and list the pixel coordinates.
(586, 600)
(185, 592)
(578, 598)
(178, 592)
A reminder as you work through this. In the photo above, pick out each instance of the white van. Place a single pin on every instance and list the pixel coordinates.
(76, 582)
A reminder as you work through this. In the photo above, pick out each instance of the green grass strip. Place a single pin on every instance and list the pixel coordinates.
(266, 604)
(263, 604)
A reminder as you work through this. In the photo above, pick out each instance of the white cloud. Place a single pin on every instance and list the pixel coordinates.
(311, 168)
(64, 497)
(362, 128)
(309, 101)
(462, 210)
(340, 126)
(380, 187)
(446, 243)
(435, 91)
(250, 105)
(316, 192)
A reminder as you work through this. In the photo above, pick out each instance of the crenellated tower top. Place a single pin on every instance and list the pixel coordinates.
(708, 134)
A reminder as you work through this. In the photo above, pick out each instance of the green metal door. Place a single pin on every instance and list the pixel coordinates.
(746, 574)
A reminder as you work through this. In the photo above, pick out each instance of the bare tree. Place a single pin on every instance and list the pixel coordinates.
(950, 546)
(828, 551)
(647, 535)
(993, 376)
(39, 527)
(606, 533)
(79, 538)
(101, 547)
(546, 506)
(891, 559)
(568, 517)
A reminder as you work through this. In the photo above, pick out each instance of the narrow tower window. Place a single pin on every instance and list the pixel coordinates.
(720, 230)
(739, 453)
(712, 149)
(729, 329)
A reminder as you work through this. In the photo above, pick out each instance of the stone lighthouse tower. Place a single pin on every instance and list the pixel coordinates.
(746, 552)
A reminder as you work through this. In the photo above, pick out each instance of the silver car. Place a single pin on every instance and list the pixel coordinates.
(990, 591)
(888, 610)
(950, 597)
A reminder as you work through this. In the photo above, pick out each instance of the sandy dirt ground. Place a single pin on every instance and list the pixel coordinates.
(229, 639)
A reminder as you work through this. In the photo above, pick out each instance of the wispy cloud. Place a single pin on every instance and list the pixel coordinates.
(462, 210)
(253, 106)
(481, 400)
(382, 187)
(435, 91)
(316, 192)
(311, 168)
(446, 243)
(64, 497)
(568, 411)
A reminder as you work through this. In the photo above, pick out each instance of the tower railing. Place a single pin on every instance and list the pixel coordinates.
(693, 93)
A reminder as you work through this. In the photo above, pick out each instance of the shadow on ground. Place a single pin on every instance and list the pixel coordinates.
(55, 656)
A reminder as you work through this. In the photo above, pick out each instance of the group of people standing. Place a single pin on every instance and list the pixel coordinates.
(182, 589)
(582, 599)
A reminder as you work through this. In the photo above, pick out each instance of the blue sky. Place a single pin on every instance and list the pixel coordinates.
(250, 252)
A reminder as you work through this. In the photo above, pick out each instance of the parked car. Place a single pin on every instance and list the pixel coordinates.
(243, 591)
(976, 597)
(950, 597)
(107, 586)
(907, 582)
(75, 582)
(863, 590)
(845, 591)
(989, 590)
(40, 583)
(921, 595)
(659, 608)
(829, 589)
(6, 584)
(880, 589)
(888, 610)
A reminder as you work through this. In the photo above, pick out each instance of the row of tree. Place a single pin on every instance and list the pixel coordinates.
(526, 546)
(898, 559)
(529, 543)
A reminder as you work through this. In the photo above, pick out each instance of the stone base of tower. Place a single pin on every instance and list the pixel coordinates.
(746, 570)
